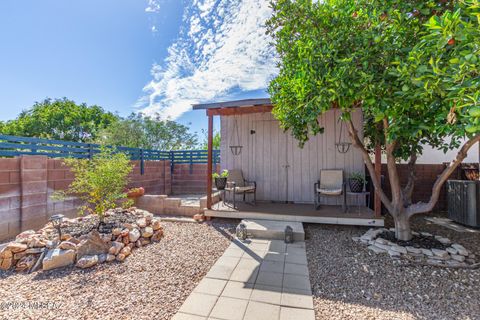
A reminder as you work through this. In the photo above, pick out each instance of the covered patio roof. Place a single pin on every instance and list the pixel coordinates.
(236, 107)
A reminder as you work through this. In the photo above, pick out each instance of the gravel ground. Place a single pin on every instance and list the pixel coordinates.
(152, 283)
(351, 282)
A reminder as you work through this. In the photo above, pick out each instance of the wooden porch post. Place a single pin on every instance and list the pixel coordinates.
(209, 160)
(378, 173)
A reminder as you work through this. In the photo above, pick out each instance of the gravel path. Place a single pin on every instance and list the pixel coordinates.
(152, 283)
(351, 282)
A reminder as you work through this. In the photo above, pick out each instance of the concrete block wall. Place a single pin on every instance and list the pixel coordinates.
(426, 176)
(190, 179)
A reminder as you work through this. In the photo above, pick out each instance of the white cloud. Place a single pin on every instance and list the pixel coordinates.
(222, 49)
(153, 6)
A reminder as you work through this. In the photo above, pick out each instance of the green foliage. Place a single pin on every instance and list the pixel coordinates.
(60, 119)
(364, 53)
(100, 182)
(138, 131)
(445, 67)
(224, 174)
(358, 176)
(216, 140)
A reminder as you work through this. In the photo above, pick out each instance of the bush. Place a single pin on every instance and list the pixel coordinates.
(99, 182)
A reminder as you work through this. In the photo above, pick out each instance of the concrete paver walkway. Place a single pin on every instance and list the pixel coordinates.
(256, 279)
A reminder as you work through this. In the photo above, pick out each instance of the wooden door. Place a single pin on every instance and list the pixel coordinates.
(270, 161)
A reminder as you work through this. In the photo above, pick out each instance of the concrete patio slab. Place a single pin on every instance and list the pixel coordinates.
(267, 294)
(199, 304)
(264, 311)
(210, 286)
(287, 313)
(184, 316)
(229, 309)
(239, 290)
(272, 279)
(293, 268)
(297, 298)
(269, 229)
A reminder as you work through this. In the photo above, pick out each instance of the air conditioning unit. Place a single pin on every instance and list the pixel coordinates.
(464, 202)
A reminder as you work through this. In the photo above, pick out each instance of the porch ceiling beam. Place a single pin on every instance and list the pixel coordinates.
(231, 111)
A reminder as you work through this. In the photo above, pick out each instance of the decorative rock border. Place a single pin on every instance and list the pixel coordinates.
(34, 249)
(455, 255)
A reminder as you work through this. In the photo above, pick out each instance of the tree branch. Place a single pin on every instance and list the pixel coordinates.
(394, 180)
(368, 162)
(408, 190)
(437, 186)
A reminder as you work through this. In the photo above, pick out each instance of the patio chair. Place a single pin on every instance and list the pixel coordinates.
(331, 184)
(237, 184)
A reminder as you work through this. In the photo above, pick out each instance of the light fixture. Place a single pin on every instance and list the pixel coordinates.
(241, 232)
(342, 145)
(235, 146)
(288, 234)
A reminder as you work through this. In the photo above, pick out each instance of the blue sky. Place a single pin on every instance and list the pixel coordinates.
(133, 55)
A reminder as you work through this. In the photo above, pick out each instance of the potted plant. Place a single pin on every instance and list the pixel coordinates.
(135, 192)
(220, 179)
(356, 182)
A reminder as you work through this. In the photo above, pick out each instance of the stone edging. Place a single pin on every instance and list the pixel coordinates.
(455, 255)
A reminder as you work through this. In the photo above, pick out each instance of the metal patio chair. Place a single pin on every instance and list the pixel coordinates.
(331, 184)
(237, 184)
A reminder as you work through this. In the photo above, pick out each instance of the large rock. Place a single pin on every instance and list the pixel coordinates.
(91, 245)
(440, 253)
(67, 245)
(25, 236)
(427, 252)
(5, 253)
(87, 261)
(25, 263)
(6, 263)
(57, 258)
(147, 232)
(399, 249)
(126, 251)
(16, 247)
(157, 235)
(134, 235)
(458, 257)
(156, 224)
(116, 247)
(142, 222)
(376, 249)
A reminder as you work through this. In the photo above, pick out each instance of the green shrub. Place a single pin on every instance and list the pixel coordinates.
(224, 174)
(100, 182)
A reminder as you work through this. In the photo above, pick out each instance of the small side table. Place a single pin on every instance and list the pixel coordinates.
(358, 196)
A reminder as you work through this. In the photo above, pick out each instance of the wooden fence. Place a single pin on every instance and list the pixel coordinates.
(11, 146)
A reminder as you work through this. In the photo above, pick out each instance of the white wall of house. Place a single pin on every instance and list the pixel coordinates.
(432, 156)
(272, 158)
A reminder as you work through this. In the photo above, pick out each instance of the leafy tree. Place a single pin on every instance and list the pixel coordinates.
(216, 140)
(99, 182)
(60, 119)
(395, 60)
(138, 131)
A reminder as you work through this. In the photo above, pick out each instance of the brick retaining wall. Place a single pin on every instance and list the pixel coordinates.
(27, 183)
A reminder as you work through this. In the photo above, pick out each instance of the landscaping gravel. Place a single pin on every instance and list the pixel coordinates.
(351, 282)
(151, 284)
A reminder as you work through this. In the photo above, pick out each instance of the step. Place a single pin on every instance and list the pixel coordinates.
(273, 230)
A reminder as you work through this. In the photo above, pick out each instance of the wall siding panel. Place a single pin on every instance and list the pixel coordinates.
(266, 153)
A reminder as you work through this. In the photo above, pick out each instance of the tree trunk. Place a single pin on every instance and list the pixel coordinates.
(402, 226)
